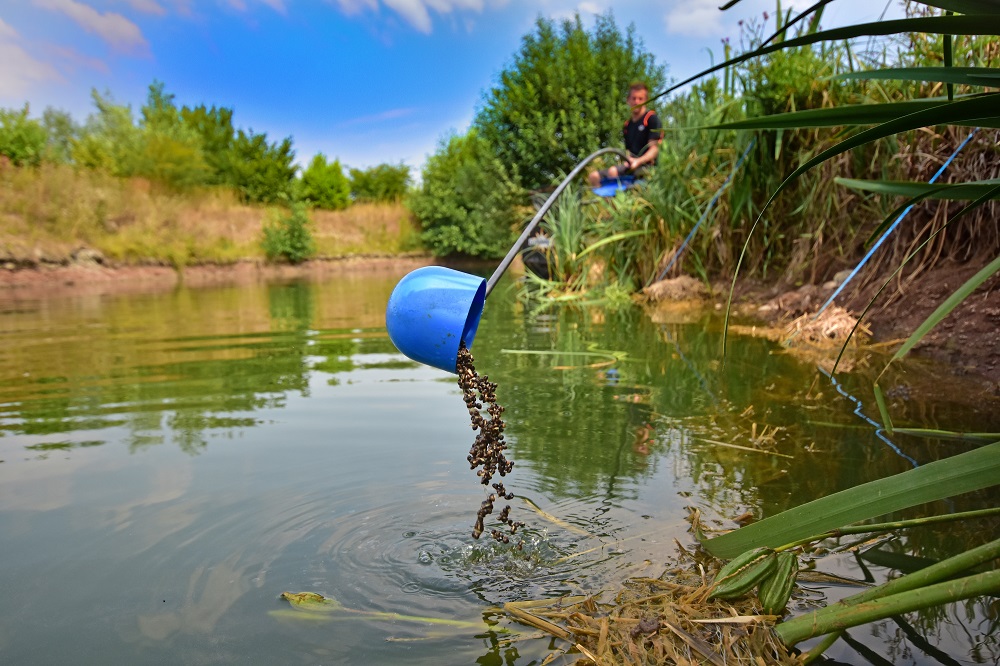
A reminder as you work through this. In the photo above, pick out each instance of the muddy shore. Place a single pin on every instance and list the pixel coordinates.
(967, 341)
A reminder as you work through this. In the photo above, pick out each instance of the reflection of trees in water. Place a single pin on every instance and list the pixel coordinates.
(214, 361)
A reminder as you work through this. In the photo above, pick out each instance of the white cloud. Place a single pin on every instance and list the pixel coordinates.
(391, 114)
(120, 33)
(695, 18)
(416, 13)
(7, 32)
(352, 7)
(21, 72)
(413, 12)
(147, 7)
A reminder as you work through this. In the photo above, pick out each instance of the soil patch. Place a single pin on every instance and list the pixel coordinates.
(967, 341)
(93, 277)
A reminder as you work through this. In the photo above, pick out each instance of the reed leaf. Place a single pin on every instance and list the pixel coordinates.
(945, 308)
(852, 114)
(983, 24)
(965, 6)
(933, 573)
(966, 472)
(838, 617)
(950, 434)
(611, 239)
(950, 191)
(970, 76)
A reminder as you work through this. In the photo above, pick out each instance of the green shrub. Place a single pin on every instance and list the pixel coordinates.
(289, 239)
(324, 184)
(385, 182)
(22, 140)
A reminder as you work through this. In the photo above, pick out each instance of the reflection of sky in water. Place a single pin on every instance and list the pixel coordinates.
(173, 462)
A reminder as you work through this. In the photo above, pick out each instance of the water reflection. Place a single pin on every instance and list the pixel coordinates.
(173, 462)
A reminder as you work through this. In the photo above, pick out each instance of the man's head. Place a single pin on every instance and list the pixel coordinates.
(638, 93)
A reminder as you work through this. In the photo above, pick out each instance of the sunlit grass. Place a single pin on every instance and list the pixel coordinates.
(51, 211)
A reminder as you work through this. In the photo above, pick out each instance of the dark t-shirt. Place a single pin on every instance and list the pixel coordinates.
(639, 133)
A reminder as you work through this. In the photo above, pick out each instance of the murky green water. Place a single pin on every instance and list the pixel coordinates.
(172, 462)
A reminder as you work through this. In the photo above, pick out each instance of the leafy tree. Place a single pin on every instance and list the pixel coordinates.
(564, 96)
(22, 140)
(262, 172)
(468, 202)
(215, 127)
(385, 182)
(61, 131)
(324, 185)
(171, 150)
(110, 140)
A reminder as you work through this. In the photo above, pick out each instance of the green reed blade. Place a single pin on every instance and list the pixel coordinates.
(949, 191)
(935, 573)
(838, 617)
(983, 24)
(949, 434)
(965, 6)
(970, 76)
(849, 114)
(966, 472)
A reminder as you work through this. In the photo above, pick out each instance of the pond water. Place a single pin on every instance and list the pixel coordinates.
(171, 462)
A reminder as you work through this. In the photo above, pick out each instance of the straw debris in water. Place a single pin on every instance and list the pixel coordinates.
(667, 620)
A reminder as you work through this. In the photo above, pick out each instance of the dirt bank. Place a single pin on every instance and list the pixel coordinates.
(967, 341)
(93, 277)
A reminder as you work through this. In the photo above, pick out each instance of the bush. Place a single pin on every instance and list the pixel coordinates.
(22, 140)
(324, 185)
(468, 203)
(385, 182)
(289, 238)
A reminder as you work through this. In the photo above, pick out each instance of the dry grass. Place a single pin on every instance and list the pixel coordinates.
(666, 620)
(49, 213)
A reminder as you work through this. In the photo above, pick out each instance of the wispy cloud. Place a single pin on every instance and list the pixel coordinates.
(74, 60)
(416, 13)
(695, 18)
(120, 33)
(391, 114)
(241, 5)
(146, 7)
(21, 71)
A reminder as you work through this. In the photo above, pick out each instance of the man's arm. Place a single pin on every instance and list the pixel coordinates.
(648, 155)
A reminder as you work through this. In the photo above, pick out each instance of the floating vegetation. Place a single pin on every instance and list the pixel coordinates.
(313, 606)
(487, 451)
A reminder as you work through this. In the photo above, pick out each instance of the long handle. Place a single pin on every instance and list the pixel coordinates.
(505, 264)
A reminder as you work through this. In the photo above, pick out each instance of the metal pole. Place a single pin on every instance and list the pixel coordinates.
(505, 264)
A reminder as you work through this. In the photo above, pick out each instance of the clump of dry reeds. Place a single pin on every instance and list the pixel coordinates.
(830, 328)
(666, 620)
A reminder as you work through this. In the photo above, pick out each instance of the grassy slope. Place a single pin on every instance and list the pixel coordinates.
(48, 214)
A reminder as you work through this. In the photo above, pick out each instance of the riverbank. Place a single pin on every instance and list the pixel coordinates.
(967, 341)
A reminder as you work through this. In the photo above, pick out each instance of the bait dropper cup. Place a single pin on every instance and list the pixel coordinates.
(434, 309)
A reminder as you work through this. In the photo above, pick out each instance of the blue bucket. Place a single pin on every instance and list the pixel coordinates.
(431, 311)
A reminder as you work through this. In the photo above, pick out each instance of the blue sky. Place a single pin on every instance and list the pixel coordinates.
(365, 81)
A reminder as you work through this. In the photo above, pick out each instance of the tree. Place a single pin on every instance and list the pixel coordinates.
(385, 182)
(171, 151)
(109, 140)
(215, 127)
(22, 140)
(564, 96)
(324, 185)
(469, 201)
(262, 172)
(61, 131)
